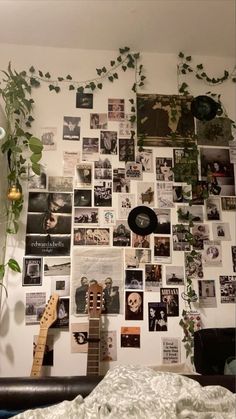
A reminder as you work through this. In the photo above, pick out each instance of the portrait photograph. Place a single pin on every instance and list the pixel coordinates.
(120, 183)
(108, 142)
(98, 121)
(116, 109)
(153, 277)
(71, 128)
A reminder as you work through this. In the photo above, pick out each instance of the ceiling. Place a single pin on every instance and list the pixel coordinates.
(204, 27)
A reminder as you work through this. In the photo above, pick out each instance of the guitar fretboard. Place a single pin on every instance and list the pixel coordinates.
(93, 347)
(39, 353)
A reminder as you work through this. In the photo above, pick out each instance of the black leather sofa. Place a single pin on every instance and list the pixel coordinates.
(212, 347)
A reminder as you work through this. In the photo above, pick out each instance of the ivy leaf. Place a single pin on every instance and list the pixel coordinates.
(57, 89)
(104, 69)
(134, 87)
(115, 75)
(80, 89)
(34, 82)
(35, 157)
(132, 118)
(40, 73)
(71, 87)
(188, 58)
(124, 68)
(119, 59)
(2, 271)
(13, 265)
(131, 101)
(200, 67)
(99, 71)
(137, 55)
(60, 78)
(112, 63)
(92, 85)
(99, 85)
(51, 87)
(110, 78)
(48, 75)
(36, 168)
(68, 77)
(32, 69)
(181, 55)
(35, 145)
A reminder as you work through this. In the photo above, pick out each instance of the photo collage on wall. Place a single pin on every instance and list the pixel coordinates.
(81, 217)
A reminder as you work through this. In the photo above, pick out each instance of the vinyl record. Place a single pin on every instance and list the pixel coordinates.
(204, 108)
(142, 220)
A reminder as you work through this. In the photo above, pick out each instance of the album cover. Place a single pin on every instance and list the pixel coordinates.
(71, 128)
(170, 296)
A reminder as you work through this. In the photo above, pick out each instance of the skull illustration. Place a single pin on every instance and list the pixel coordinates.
(134, 302)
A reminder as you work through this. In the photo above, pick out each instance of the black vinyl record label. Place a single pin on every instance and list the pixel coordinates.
(142, 220)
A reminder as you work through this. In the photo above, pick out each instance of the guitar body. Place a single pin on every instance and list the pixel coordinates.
(94, 303)
(48, 318)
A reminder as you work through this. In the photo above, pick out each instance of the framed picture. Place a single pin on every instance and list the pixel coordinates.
(84, 100)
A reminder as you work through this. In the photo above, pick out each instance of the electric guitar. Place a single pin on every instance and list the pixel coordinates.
(48, 318)
(94, 303)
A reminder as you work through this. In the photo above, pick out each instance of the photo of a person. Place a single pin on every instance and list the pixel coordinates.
(71, 128)
(80, 295)
(111, 297)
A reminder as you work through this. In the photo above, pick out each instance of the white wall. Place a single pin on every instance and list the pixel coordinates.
(15, 337)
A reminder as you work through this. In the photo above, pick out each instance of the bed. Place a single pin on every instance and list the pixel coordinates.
(131, 390)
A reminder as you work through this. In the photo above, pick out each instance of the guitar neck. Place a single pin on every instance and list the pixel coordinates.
(93, 347)
(39, 353)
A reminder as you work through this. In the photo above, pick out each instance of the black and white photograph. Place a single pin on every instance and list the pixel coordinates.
(199, 192)
(60, 285)
(188, 213)
(153, 277)
(134, 279)
(48, 223)
(71, 128)
(174, 275)
(212, 253)
(154, 119)
(126, 126)
(125, 203)
(70, 159)
(90, 148)
(207, 293)
(216, 132)
(201, 233)
(130, 337)
(121, 234)
(60, 183)
(32, 271)
(83, 175)
(63, 314)
(48, 138)
(145, 194)
(157, 317)
(215, 164)
(170, 297)
(163, 221)
(233, 253)
(108, 345)
(47, 245)
(126, 149)
(91, 236)
(98, 120)
(227, 288)
(116, 109)
(162, 250)
(133, 171)
(86, 216)
(221, 231)
(102, 169)
(56, 266)
(193, 265)
(164, 169)
(79, 337)
(84, 100)
(164, 194)
(103, 193)
(136, 258)
(140, 242)
(120, 183)
(102, 266)
(134, 305)
(37, 182)
(145, 157)
(50, 202)
(182, 193)
(108, 142)
(228, 203)
(35, 303)
(83, 197)
(213, 209)
(180, 236)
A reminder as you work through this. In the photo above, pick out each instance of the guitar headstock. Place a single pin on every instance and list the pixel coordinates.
(95, 300)
(50, 313)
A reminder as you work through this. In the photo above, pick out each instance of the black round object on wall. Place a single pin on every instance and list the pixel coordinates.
(142, 220)
(204, 108)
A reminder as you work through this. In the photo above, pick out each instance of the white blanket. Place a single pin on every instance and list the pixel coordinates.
(140, 393)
